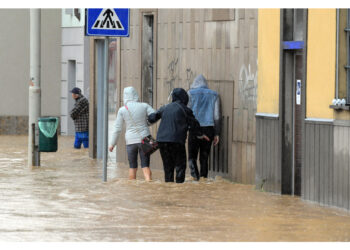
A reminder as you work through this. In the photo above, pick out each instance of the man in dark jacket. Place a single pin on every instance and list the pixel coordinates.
(177, 119)
(80, 116)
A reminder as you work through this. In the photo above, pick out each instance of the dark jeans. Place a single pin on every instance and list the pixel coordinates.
(202, 146)
(174, 158)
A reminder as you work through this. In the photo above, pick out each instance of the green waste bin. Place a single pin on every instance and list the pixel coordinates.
(48, 134)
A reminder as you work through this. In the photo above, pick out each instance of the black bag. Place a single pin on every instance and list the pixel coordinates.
(149, 145)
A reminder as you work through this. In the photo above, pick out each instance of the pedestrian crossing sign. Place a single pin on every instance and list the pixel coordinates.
(107, 22)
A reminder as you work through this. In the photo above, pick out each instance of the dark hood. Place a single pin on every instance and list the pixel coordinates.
(179, 94)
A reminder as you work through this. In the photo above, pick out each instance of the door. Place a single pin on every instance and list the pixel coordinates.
(220, 158)
(298, 121)
(71, 84)
(147, 58)
(292, 108)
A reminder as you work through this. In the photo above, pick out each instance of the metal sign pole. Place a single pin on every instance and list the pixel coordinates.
(34, 88)
(106, 22)
(105, 109)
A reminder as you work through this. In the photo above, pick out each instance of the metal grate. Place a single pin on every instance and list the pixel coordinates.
(218, 159)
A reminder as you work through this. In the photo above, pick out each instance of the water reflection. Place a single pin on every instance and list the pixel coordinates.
(66, 200)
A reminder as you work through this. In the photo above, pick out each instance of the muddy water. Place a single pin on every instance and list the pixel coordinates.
(65, 200)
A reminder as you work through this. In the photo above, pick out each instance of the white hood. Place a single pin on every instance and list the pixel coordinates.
(130, 94)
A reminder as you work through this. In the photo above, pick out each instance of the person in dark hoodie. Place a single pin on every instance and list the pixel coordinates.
(176, 120)
(205, 104)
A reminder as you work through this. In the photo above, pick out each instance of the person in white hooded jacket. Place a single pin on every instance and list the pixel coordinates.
(134, 114)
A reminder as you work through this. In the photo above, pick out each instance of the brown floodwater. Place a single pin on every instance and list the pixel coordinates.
(66, 200)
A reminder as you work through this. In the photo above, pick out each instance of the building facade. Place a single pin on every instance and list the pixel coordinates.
(74, 63)
(168, 48)
(302, 136)
(15, 68)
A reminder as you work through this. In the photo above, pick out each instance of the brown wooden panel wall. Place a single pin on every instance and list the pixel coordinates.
(341, 167)
(322, 180)
(245, 77)
(221, 45)
(268, 170)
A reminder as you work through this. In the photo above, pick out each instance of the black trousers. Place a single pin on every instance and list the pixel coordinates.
(174, 158)
(202, 147)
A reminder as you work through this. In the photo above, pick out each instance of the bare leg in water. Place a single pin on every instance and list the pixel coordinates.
(132, 173)
(147, 173)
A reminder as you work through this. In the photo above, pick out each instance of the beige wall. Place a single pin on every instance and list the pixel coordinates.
(321, 58)
(14, 62)
(219, 43)
(268, 60)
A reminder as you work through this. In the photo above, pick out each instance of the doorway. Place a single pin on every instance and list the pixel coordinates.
(292, 96)
(147, 63)
(72, 78)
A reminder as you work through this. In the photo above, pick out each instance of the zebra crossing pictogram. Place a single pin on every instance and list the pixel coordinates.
(107, 22)
(108, 19)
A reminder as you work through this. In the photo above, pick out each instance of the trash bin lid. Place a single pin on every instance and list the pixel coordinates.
(48, 126)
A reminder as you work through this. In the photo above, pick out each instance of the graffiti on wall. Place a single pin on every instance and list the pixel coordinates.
(248, 83)
(189, 76)
(172, 76)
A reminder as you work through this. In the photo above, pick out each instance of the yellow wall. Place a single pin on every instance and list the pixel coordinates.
(268, 60)
(321, 48)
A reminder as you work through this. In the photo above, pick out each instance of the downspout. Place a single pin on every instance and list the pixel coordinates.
(337, 59)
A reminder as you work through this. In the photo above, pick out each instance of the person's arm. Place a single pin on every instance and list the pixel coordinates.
(149, 110)
(194, 126)
(155, 116)
(189, 104)
(217, 120)
(118, 127)
(78, 109)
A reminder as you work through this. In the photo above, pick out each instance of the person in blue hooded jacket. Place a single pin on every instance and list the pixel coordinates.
(205, 104)
(176, 120)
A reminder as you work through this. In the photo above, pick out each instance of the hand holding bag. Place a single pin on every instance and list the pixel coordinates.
(148, 144)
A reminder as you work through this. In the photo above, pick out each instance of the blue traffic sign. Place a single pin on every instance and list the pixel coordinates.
(107, 22)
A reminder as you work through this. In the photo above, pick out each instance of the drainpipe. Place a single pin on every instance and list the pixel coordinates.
(337, 59)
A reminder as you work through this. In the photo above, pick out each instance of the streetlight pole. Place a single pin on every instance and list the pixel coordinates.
(34, 88)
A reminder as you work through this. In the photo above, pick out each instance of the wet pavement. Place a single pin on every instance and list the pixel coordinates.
(66, 200)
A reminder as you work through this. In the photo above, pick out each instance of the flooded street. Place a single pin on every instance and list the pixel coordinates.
(66, 200)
